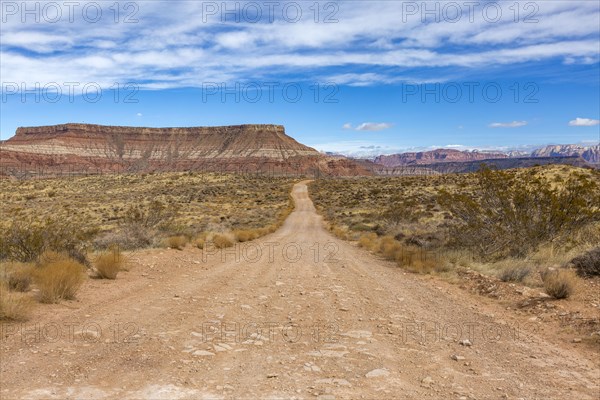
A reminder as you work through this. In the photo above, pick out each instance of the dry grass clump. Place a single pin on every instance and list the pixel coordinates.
(200, 242)
(13, 306)
(222, 241)
(58, 277)
(16, 275)
(515, 273)
(245, 235)
(561, 283)
(368, 241)
(411, 258)
(177, 242)
(109, 263)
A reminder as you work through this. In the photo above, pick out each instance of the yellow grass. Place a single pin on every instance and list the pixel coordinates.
(14, 306)
(222, 241)
(58, 278)
(177, 242)
(17, 276)
(560, 284)
(109, 263)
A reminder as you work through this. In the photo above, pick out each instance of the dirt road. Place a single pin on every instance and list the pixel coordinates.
(296, 314)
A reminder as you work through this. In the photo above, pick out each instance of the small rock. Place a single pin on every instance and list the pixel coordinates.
(576, 340)
(456, 357)
(202, 353)
(427, 381)
(272, 375)
(88, 334)
(376, 373)
(466, 342)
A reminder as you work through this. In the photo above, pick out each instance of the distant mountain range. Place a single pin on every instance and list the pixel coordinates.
(435, 156)
(90, 149)
(589, 154)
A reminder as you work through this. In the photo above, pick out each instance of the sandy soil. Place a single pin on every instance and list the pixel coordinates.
(295, 314)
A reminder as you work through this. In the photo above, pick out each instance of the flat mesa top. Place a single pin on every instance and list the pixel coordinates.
(95, 127)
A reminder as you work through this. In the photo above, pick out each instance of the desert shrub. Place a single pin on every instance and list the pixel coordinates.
(511, 214)
(151, 215)
(58, 277)
(361, 227)
(588, 264)
(26, 241)
(177, 242)
(401, 210)
(16, 275)
(13, 306)
(128, 237)
(221, 241)
(560, 283)
(514, 274)
(109, 263)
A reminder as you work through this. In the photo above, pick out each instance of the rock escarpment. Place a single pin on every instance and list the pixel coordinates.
(84, 148)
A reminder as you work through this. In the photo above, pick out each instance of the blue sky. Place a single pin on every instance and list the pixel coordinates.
(349, 76)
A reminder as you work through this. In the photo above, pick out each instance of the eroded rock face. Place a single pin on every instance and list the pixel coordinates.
(98, 148)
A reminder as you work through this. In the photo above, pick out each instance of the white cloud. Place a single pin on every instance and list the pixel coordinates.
(370, 44)
(584, 122)
(514, 124)
(139, 115)
(369, 126)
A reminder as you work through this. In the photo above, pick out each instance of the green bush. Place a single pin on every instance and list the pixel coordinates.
(511, 214)
(26, 241)
(588, 264)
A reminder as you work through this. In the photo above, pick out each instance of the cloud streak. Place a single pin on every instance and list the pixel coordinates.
(369, 126)
(513, 124)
